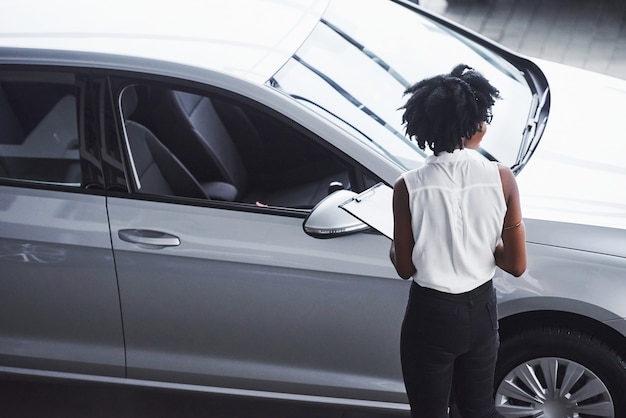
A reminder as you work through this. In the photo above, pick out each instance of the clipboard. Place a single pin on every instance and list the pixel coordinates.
(373, 207)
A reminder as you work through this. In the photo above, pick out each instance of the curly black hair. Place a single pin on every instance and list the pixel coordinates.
(442, 110)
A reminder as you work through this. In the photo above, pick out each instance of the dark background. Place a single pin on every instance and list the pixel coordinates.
(588, 34)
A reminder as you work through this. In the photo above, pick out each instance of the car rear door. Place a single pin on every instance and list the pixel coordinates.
(59, 303)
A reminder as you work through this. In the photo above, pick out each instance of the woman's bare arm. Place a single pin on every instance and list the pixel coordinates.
(510, 254)
(402, 245)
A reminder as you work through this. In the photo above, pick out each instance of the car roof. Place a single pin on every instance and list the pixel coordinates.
(248, 38)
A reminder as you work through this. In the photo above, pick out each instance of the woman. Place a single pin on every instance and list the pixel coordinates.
(456, 218)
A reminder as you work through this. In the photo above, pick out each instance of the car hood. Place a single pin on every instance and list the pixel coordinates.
(578, 171)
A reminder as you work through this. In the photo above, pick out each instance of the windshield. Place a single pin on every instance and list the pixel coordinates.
(356, 64)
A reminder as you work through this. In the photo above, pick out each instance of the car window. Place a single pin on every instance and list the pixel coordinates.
(39, 139)
(352, 73)
(215, 147)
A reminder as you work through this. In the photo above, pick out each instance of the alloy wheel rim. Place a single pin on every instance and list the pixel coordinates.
(552, 387)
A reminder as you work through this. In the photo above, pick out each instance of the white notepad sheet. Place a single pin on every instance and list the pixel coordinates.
(374, 208)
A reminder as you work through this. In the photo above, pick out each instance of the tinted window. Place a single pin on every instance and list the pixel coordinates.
(39, 132)
(213, 147)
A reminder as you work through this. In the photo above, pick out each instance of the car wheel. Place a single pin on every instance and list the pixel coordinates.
(559, 373)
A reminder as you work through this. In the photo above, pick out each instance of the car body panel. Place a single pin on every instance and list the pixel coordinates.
(221, 30)
(556, 280)
(257, 280)
(577, 171)
(59, 301)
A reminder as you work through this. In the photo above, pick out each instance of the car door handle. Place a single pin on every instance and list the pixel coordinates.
(148, 239)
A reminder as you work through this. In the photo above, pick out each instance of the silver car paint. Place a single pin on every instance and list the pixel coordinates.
(565, 280)
(222, 30)
(578, 172)
(59, 305)
(241, 301)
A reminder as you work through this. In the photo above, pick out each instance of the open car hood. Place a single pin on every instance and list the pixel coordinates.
(577, 173)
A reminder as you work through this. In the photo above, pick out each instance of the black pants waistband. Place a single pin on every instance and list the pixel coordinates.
(482, 291)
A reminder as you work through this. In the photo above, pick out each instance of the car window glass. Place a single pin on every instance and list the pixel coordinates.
(212, 147)
(354, 74)
(39, 132)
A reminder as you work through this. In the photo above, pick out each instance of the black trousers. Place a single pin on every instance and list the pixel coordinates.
(450, 342)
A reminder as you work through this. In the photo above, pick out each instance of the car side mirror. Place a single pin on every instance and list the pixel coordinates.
(328, 220)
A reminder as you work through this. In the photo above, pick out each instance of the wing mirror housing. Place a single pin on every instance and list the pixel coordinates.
(328, 220)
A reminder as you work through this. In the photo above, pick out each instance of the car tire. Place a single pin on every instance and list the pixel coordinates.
(544, 371)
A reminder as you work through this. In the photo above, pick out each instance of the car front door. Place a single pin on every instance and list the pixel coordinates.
(232, 293)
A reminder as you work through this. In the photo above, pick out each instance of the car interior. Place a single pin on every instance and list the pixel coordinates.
(222, 150)
(182, 144)
(39, 135)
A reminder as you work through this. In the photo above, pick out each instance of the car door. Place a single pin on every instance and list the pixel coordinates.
(232, 293)
(59, 303)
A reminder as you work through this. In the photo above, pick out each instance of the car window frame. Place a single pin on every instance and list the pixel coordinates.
(120, 80)
(86, 129)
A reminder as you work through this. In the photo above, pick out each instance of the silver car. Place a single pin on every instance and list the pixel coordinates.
(170, 183)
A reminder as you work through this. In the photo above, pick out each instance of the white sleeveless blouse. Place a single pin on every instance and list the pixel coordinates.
(457, 213)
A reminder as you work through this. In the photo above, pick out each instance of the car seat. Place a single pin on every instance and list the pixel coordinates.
(158, 170)
(192, 128)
